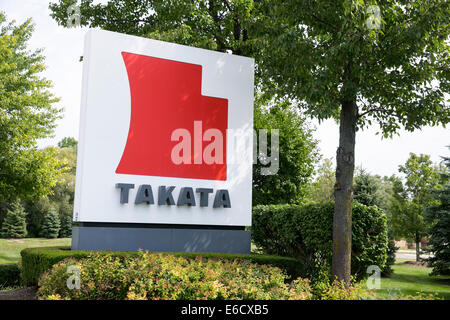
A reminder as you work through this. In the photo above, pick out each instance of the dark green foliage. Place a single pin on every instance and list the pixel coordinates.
(14, 225)
(390, 260)
(373, 191)
(9, 275)
(36, 209)
(287, 180)
(35, 261)
(304, 232)
(50, 225)
(366, 189)
(66, 226)
(440, 231)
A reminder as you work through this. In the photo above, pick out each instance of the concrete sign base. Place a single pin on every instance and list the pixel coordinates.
(160, 238)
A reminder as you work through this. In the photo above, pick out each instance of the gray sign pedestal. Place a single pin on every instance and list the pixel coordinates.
(160, 238)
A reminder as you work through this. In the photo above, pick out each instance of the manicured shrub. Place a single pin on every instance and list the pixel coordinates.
(14, 225)
(170, 277)
(305, 232)
(35, 261)
(9, 275)
(51, 225)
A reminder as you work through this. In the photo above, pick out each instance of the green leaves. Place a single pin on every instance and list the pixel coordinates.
(27, 113)
(323, 53)
(411, 198)
(156, 276)
(296, 156)
(305, 232)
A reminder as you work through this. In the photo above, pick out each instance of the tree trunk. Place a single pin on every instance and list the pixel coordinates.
(342, 221)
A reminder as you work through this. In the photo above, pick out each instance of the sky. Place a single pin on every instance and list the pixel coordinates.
(63, 47)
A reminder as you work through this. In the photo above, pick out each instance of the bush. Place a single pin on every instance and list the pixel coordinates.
(304, 232)
(14, 225)
(51, 225)
(165, 276)
(339, 291)
(390, 260)
(35, 261)
(9, 275)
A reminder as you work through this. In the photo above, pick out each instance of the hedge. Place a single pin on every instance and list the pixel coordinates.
(305, 232)
(155, 276)
(36, 261)
(9, 275)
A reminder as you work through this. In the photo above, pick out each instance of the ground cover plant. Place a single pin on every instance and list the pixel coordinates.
(164, 276)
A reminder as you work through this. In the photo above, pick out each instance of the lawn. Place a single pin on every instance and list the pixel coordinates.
(10, 248)
(411, 279)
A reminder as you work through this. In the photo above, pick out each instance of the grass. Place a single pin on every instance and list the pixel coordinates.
(10, 248)
(412, 280)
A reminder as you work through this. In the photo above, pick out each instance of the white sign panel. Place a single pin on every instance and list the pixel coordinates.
(165, 134)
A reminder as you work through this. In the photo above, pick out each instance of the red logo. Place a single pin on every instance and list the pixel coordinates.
(166, 96)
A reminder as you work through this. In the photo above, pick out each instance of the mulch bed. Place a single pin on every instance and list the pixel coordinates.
(20, 294)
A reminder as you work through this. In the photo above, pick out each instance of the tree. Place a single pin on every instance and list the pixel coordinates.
(68, 142)
(66, 226)
(64, 190)
(411, 198)
(26, 115)
(324, 55)
(322, 188)
(62, 194)
(440, 231)
(285, 178)
(37, 209)
(348, 70)
(51, 225)
(370, 190)
(14, 225)
(209, 24)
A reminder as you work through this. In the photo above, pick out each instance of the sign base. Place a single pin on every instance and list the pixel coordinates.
(160, 238)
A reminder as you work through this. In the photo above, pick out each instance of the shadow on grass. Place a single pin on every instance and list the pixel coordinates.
(409, 280)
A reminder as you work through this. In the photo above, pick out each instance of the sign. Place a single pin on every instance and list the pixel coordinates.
(165, 134)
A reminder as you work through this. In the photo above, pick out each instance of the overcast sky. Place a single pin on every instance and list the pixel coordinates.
(63, 48)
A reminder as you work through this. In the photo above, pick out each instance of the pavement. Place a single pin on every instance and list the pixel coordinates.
(408, 254)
